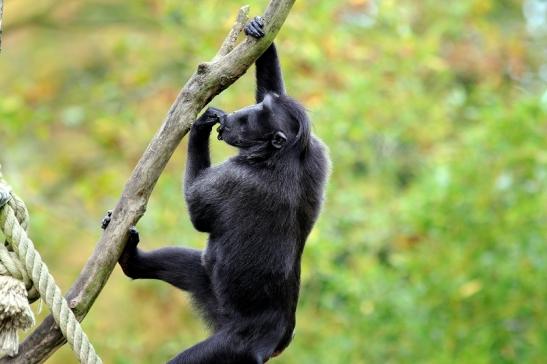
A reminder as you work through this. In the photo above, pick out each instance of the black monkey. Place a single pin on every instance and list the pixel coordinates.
(258, 209)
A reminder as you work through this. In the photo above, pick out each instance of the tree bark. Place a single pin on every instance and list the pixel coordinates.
(209, 80)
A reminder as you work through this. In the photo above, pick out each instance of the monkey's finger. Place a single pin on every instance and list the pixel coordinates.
(247, 31)
(250, 31)
(260, 21)
(253, 34)
(261, 32)
(105, 222)
(257, 26)
(217, 112)
(255, 30)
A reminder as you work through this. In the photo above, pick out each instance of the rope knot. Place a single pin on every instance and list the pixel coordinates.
(15, 311)
(15, 314)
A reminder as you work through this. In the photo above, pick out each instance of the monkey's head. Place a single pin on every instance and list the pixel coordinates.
(271, 127)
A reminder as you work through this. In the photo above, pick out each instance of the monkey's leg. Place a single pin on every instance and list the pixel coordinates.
(218, 349)
(250, 340)
(178, 266)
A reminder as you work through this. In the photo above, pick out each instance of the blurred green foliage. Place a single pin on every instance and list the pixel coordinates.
(432, 247)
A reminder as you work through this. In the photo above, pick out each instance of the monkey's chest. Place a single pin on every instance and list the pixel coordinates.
(209, 259)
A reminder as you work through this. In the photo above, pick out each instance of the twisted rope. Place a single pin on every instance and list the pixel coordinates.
(13, 221)
(9, 262)
(15, 311)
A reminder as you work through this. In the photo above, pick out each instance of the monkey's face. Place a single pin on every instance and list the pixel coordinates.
(253, 126)
(246, 127)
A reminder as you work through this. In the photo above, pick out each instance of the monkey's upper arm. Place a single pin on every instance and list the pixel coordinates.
(199, 200)
(206, 197)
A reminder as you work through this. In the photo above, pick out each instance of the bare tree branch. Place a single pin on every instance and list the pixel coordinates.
(208, 81)
(230, 41)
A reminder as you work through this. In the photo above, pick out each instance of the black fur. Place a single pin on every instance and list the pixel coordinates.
(258, 209)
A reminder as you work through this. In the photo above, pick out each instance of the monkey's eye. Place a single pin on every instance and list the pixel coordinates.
(243, 120)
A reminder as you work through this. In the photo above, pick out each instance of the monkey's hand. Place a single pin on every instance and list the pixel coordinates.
(255, 28)
(209, 118)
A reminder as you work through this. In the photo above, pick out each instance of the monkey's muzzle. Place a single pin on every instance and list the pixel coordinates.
(221, 127)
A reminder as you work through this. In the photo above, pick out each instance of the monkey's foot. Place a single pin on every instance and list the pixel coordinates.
(134, 237)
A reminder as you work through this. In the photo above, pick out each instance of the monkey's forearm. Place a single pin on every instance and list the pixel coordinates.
(198, 153)
(198, 147)
(268, 74)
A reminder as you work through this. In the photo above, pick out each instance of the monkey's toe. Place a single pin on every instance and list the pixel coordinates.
(106, 220)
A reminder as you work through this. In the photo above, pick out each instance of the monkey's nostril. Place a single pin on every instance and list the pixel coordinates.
(220, 129)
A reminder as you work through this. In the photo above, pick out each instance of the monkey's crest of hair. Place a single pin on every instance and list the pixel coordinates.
(298, 114)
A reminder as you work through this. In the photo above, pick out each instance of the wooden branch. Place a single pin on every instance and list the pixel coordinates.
(230, 41)
(208, 81)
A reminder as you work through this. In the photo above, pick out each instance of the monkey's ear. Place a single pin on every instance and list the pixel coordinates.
(269, 101)
(279, 139)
